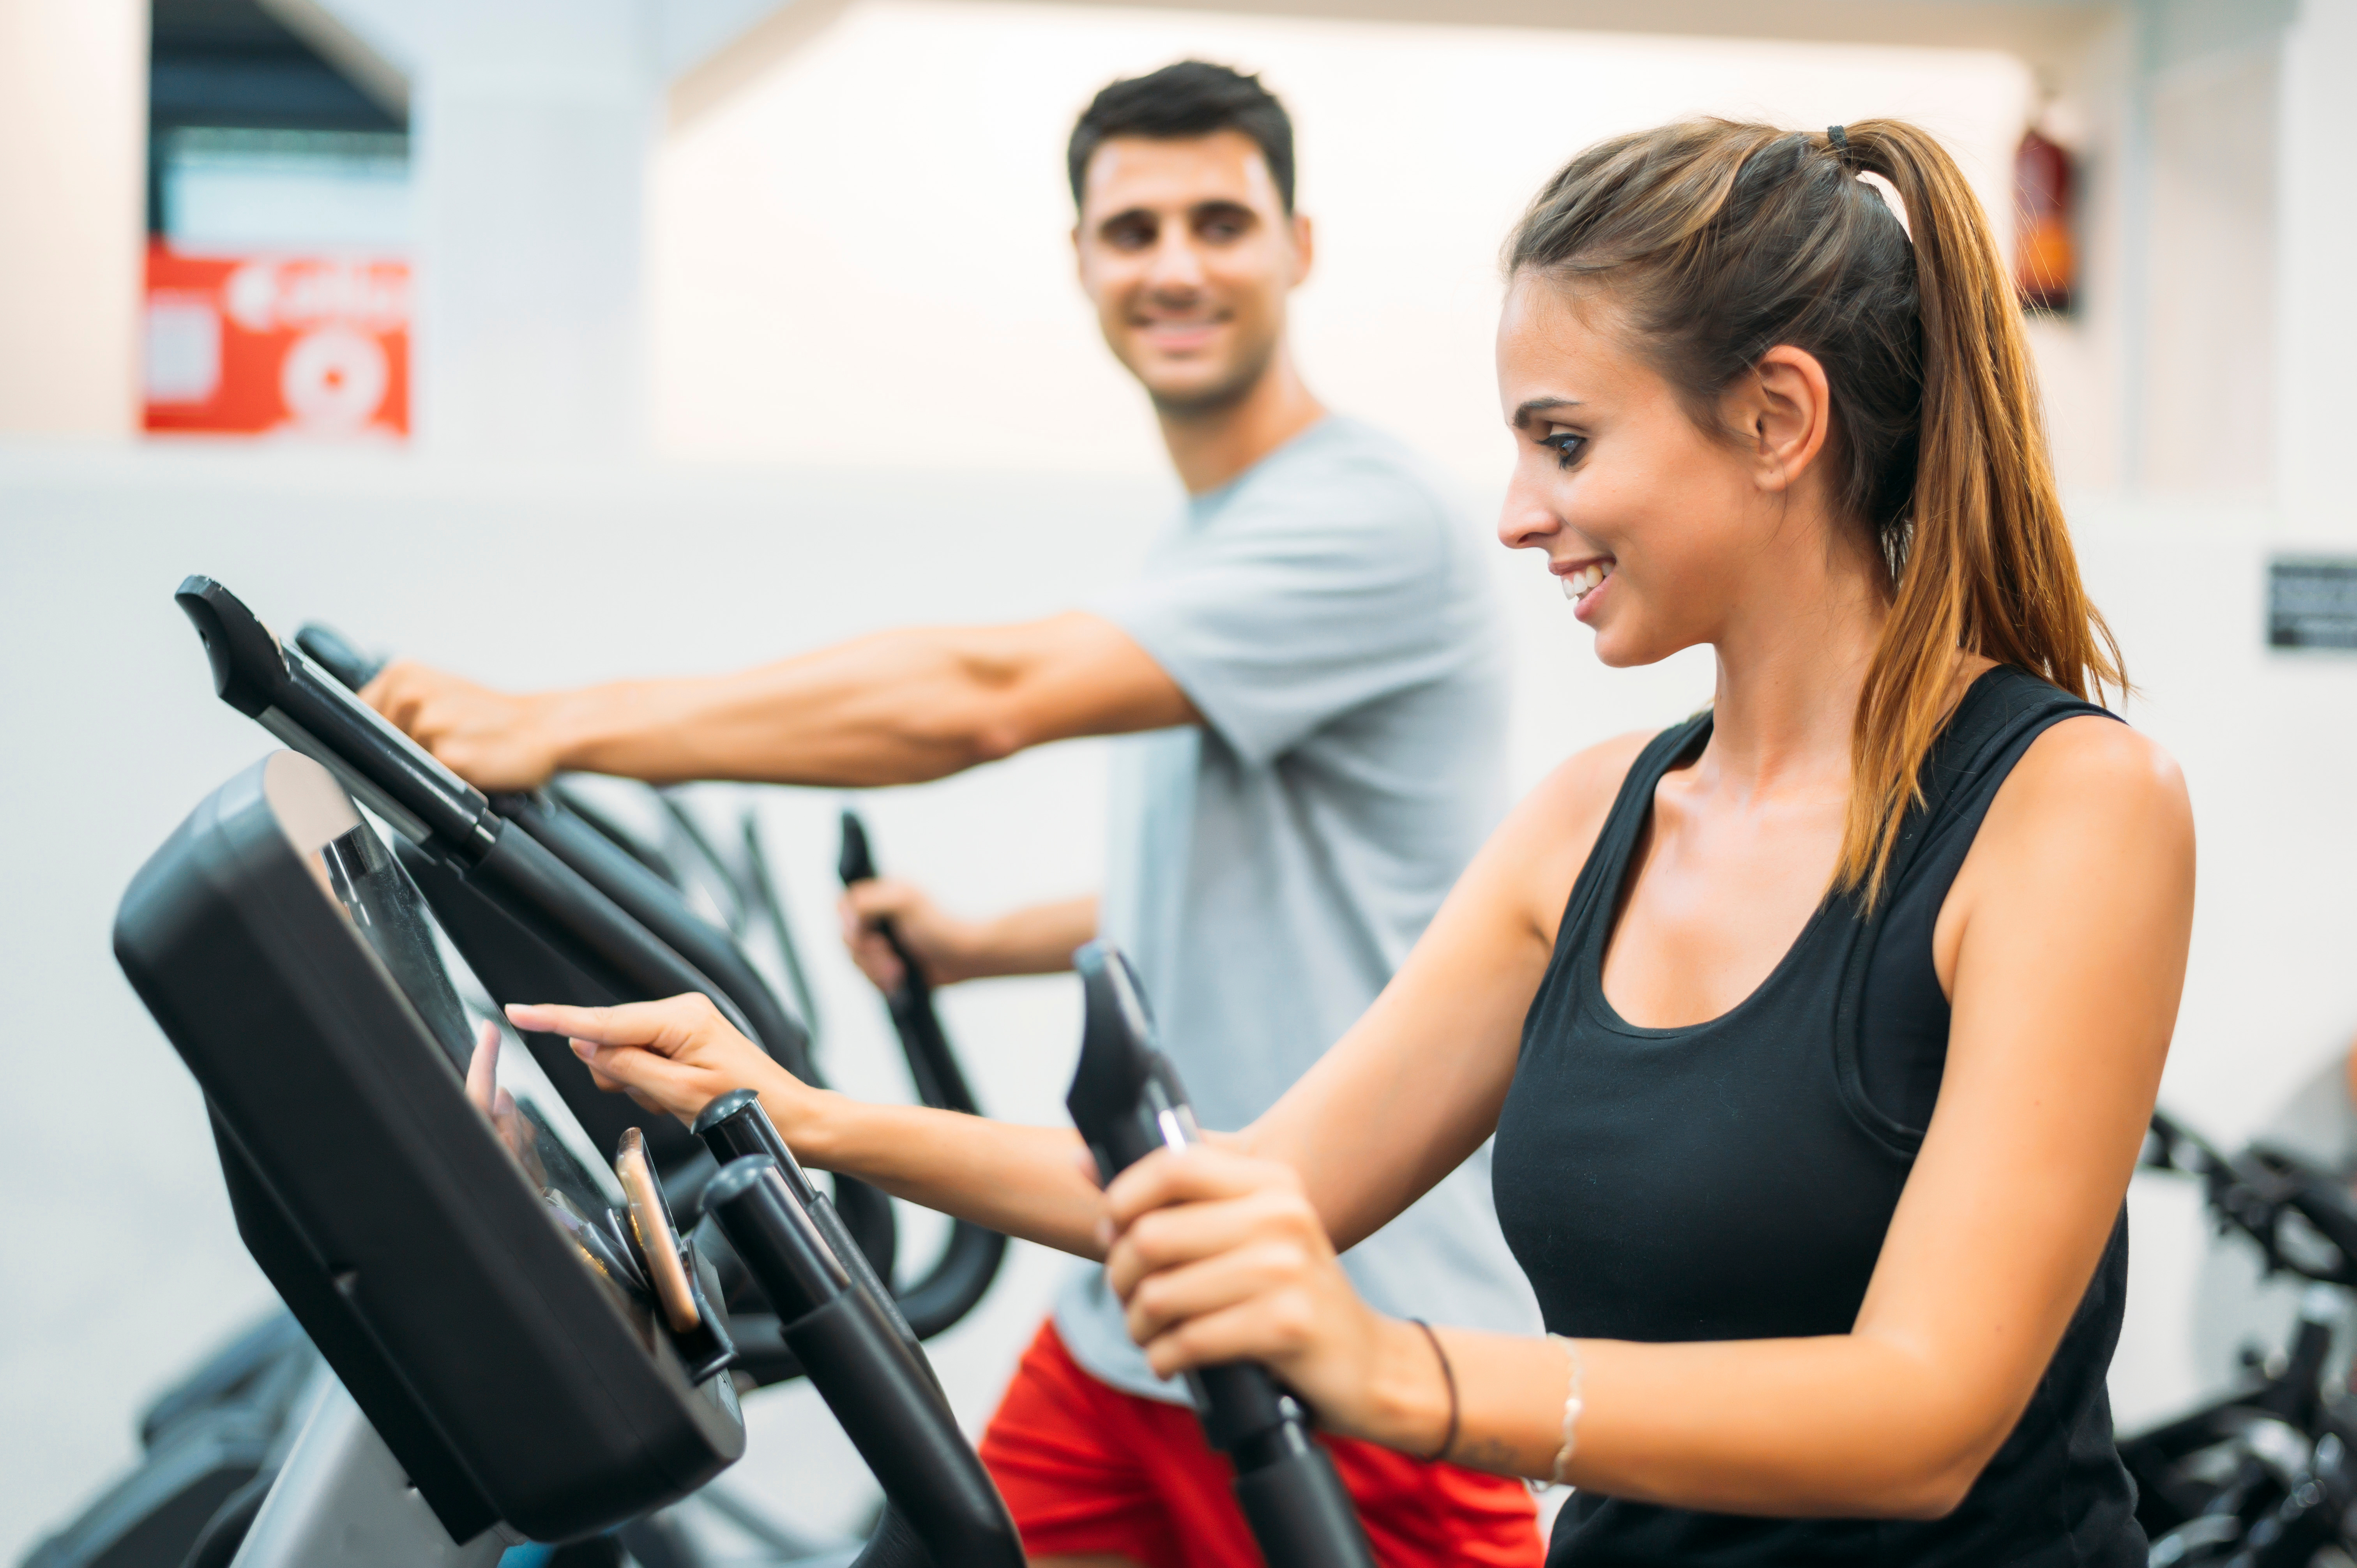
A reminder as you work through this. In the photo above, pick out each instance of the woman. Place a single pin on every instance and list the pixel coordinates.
(1818, 1033)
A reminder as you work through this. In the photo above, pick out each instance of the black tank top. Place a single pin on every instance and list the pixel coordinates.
(1733, 1179)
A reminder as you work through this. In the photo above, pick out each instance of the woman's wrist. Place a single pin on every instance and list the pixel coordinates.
(806, 1118)
(1407, 1403)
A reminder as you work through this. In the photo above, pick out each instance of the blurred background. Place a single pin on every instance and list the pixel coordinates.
(556, 341)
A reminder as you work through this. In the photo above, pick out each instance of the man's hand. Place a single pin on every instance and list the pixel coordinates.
(943, 945)
(490, 739)
(1036, 939)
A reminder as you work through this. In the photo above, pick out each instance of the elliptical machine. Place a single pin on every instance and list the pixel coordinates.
(522, 1346)
(212, 1444)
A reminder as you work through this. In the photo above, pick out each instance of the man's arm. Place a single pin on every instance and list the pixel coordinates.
(1038, 939)
(897, 707)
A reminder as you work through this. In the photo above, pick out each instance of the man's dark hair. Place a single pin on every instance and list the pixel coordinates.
(1192, 97)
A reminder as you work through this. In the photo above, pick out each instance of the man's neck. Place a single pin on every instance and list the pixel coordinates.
(1209, 449)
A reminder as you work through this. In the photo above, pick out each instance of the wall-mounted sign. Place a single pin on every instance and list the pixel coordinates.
(278, 346)
(2312, 603)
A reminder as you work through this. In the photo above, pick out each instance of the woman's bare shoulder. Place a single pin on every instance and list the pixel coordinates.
(1586, 783)
(1551, 831)
(2094, 814)
(2088, 768)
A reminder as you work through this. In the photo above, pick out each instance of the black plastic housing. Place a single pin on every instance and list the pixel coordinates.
(1127, 1101)
(530, 927)
(507, 1376)
(529, 933)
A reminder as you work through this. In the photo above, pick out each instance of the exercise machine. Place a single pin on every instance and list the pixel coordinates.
(522, 1346)
(2265, 1477)
(545, 908)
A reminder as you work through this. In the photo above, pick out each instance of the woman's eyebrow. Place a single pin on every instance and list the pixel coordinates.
(1538, 405)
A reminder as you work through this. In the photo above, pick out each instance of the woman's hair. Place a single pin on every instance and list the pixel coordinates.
(1717, 242)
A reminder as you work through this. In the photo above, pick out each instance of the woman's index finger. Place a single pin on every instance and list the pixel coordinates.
(596, 1023)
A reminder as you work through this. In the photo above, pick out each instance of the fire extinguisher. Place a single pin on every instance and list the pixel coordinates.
(2045, 265)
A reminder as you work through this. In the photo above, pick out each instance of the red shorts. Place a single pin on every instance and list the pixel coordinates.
(1086, 1468)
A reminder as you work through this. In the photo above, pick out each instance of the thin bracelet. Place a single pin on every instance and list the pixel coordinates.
(1448, 1376)
(1573, 1403)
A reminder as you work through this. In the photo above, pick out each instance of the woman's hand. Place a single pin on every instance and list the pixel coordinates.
(1219, 1256)
(676, 1054)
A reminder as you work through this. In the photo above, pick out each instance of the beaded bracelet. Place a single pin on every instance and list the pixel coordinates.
(1573, 1403)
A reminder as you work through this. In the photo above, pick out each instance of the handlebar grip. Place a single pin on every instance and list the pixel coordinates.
(857, 863)
(281, 689)
(734, 1127)
(1126, 1100)
(773, 1234)
(337, 654)
(876, 1382)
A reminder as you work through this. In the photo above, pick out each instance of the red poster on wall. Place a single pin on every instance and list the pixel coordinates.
(278, 346)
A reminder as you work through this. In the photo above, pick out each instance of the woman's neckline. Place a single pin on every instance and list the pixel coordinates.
(1600, 938)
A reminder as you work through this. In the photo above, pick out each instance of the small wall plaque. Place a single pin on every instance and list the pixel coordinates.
(2312, 603)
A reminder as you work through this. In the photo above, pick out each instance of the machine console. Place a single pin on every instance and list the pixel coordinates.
(464, 1257)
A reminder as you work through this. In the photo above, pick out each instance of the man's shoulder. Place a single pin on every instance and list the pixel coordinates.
(1351, 478)
(1342, 450)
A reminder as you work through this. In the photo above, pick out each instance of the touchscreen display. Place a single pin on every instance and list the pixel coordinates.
(531, 1123)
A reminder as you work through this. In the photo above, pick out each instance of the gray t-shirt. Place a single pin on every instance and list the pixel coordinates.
(1328, 613)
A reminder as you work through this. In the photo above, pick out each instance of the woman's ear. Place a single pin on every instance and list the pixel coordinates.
(1784, 413)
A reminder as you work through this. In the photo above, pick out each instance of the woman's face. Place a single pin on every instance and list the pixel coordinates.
(1655, 530)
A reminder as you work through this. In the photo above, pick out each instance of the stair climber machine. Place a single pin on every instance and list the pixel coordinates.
(522, 1346)
(1127, 1103)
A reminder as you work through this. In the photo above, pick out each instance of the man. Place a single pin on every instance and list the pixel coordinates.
(1309, 670)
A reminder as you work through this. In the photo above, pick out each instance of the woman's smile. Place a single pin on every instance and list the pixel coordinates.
(1581, 578)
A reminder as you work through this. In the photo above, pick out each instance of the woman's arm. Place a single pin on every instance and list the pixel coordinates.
(1411, 1091)
(1414, 1087)
(2064, 943)
(680, 1054)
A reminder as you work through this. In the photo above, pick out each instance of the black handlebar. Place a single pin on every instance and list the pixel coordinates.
(332, 651)
(735, 1127)
(940, 1081)
(1127, 1101)
(431, 806)
(971, 1260)
(2253, 1190)
(876, 1383)
(315, 714)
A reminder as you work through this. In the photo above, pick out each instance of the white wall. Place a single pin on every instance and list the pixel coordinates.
(73, 125)
(863, 256)
(2316, 328)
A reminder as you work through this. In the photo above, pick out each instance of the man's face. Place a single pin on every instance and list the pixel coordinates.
(1188, 253)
